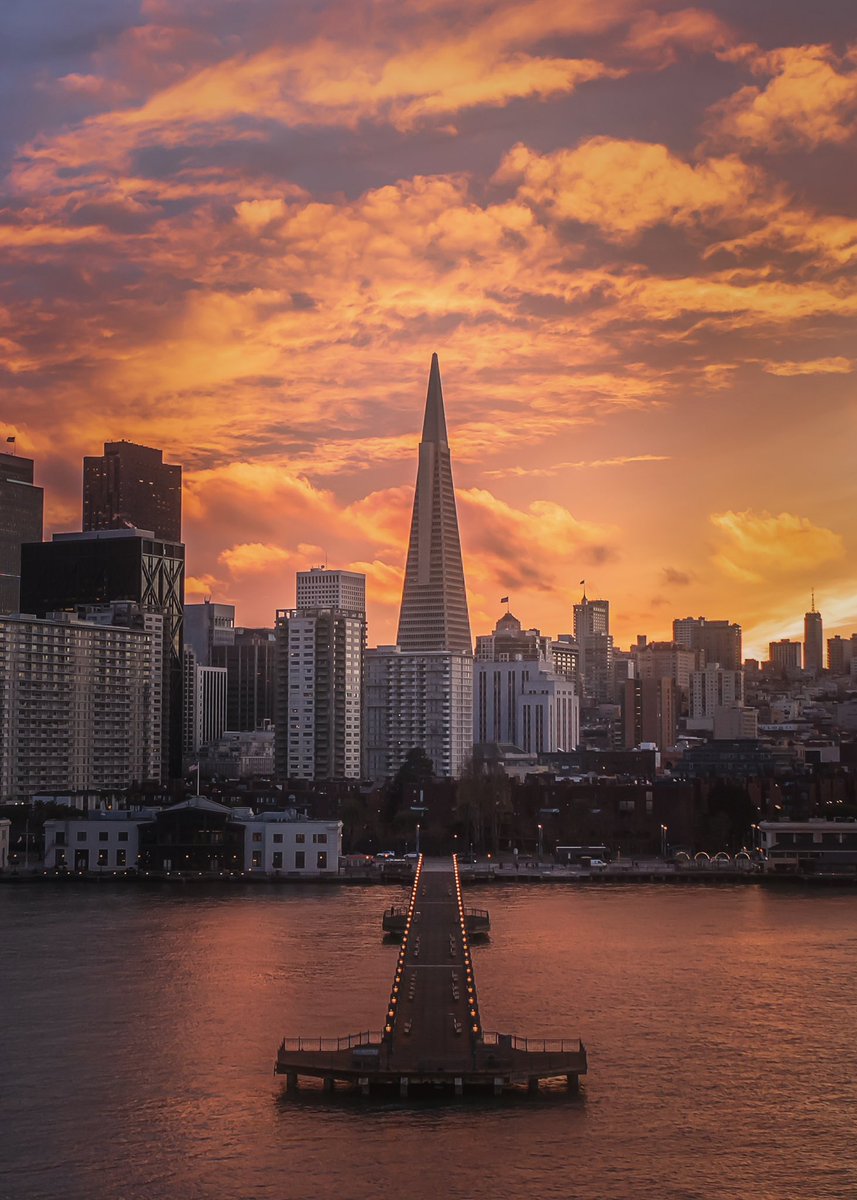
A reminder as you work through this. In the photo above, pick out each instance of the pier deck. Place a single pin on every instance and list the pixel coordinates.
(432, 1030)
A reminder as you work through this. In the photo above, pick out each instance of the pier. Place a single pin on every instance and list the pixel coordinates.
(432, 1033)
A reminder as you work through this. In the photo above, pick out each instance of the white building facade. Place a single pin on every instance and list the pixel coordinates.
(204, 702)
(321, 588)
(417, 700)
(525, 704)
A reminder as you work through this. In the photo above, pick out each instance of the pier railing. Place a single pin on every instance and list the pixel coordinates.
(348, 1042)
(534, 1045)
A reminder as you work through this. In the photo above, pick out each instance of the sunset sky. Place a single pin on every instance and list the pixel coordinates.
(237, 229)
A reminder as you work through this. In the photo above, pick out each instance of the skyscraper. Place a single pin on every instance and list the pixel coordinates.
(131, 487)
(813, 640)
(419, 693)
(434, 600)
(720, 641)
(21, 506)
(595, 642)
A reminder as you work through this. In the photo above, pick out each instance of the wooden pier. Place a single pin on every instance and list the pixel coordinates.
(432, 1033)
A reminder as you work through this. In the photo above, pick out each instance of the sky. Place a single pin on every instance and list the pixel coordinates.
(238, 229)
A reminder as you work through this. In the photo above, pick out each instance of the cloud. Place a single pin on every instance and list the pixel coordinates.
(663, 36)
(557, 469)
(253, 558)
(674, 577)
(836, 365)
(810, 99)
(755, 545)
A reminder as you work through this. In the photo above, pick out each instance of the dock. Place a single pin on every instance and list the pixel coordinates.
(432, 1033)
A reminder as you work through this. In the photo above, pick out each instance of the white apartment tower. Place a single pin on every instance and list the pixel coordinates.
(204, 702)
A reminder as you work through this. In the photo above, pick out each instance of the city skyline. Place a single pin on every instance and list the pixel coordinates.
(641, 306)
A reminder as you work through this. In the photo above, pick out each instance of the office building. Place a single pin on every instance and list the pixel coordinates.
(712, 688)
(250, 668)
(841, 652)
(719, 641)
(96, 568)
(203, 703)
(813, 640)
(131, 487)
(650, 713)
(664, 660)
(510, 641)
(21, 513)
(208, 629)
(323, 588)
(78, 703)
(785, 655)
(523, 703)
(565, 656)
(595, 643)
(318, 702)
(434, 612)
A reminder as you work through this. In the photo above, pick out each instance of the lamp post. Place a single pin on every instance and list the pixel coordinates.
(540, 843)
(418, 837)
(663, 841)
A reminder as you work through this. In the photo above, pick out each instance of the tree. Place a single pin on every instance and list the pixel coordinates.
(416, 771)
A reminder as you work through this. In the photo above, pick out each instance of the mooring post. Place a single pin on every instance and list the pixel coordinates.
(328, 1083)
(533, 1083)
(292, 1081)
(364, 1084)
(573, 1082)
(403, 1085)
(459, 1086)
(498, 1085)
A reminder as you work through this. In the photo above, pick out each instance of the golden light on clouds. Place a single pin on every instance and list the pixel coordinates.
(629, 230)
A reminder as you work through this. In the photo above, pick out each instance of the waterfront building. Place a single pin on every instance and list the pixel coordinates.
(419, 693)
(813, 640)
(322, 588)
(239, 754)
(131, 487)
(197, 835)
(785, 655)
(203, 703)
(78, 704)
(96, 568)
(417, 700)
(208, 630)
(814, 847)
(719, 641)
(5, 827)
(21, 512)
(319, 693)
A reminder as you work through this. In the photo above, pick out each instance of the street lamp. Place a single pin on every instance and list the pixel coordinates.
(540, 843)
(663, 841)
(418, 838)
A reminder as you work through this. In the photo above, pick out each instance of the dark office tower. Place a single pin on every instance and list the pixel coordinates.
(249, 663)
(434, 600)
(131, 487)
(121, 564)
(813, 640)
(21, 507)
(719, 641)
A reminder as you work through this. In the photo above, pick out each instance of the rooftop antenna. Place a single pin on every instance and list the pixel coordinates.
(813, 600)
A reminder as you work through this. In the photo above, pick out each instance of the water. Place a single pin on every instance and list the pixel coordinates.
(139, 1030)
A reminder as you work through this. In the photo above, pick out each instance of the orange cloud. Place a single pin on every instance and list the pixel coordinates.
(754, 545)
(663, 36)
(837, 365)
(253, 558)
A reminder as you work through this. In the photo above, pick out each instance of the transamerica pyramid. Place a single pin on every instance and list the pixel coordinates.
(434, 599)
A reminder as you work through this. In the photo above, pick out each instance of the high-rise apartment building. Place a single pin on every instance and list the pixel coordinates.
(250, 668)
(318, 705)
(97, 568)
(840, 654)
(650, 712)
(664, 660)
(131, 487)
(21, 510)
(434, 613)
(719, 641)
(323, 588)
(419, 693)
(203, 703)
(78, 703)
(813, 640)
(785, 655)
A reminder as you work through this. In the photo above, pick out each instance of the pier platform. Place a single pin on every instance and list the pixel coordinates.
(432, 1033)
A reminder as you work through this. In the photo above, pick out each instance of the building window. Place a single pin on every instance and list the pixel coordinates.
(300, 860)
(121, 858)
(81, 837)
(320, 838)
(257, 837)
(277, 838)
(123, 835)
(257, 858)
(102, 858)
(300, 838)
(277, 859)
(322, 860)
(59, 838)
(103, 835)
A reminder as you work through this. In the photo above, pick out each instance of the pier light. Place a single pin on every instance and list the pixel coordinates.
(475, 1028)
(388, 1028)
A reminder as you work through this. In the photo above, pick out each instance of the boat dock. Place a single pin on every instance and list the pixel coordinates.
(432, 1031)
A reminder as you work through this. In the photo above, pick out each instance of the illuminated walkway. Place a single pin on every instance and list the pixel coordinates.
(432, 1031)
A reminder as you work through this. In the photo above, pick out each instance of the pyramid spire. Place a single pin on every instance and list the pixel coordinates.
(434, 422)
(434, 598)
